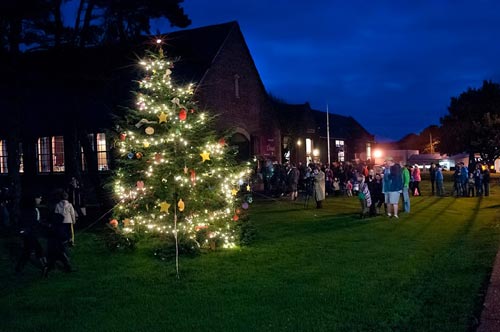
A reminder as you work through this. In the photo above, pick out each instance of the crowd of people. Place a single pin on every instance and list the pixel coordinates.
(51, 224)
(46, 228)
(376, 187)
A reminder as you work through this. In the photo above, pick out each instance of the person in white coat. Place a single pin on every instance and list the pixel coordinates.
(319, 186)
(65, 208)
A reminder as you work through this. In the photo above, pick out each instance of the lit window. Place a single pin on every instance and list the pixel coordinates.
(102, 152)
(58, 153)
(3, 157)
(341, 156)
(100, 147)
(308, 146)
(339, 143)
(50, 154)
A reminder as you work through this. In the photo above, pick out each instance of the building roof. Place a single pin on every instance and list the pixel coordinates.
(340, 126)
(95, 80)
(196, 49)
(344, 127)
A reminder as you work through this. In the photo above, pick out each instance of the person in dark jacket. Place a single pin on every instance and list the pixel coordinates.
(393, 186)
(432, 172)
(486, 182)
(31, 221)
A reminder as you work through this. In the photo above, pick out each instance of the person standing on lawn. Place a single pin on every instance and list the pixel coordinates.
(416, 180)
(319, 186)
(66, 209)
(406, 183)
(30, 232)
(432, 172)
(393, 186)
(486, 182)
(439, 181)
(364, 196)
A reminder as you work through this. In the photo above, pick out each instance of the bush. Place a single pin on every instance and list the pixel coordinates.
(246, 230)
(117, 240)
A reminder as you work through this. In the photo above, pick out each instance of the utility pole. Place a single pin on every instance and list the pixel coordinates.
(328, 134)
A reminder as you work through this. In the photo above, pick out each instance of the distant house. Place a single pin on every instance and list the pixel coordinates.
(305, 135)
(59, 102)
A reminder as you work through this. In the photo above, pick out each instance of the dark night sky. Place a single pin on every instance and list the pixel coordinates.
(392, 65)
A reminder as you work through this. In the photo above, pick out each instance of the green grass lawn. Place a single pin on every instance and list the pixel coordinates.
(307, 270)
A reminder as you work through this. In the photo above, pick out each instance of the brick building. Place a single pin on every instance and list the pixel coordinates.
(56, 107)
(58, 104)
(305, 135)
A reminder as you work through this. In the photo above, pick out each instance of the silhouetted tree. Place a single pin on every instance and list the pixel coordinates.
(102, 21)
(473, 123)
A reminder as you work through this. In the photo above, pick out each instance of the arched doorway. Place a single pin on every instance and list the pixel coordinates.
(242, 143)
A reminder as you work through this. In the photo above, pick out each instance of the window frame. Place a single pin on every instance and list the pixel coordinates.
(49, 152)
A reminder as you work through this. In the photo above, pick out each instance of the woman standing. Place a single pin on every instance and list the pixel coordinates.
(319, 186)
(416, 180)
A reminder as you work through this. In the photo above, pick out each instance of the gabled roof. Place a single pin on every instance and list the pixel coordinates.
(196, 49)
(344, 127)
(340, 126)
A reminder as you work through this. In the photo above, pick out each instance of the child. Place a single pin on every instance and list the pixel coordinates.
(472, 185)
(348, 188)
(364, 196)
(66, 209)
(336, 186)
(355, 187)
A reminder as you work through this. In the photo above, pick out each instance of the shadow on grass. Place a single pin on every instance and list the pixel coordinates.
(431, 204)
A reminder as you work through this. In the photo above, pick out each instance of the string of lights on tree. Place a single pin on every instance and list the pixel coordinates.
(175, 174)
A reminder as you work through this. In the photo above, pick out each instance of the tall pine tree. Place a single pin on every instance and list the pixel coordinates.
(175, 174)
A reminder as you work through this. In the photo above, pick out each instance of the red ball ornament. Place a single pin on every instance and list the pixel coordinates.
(238, 211)
(114, 223)
(138, 155)
(222, 142)
(182, 114)
(235, 217)
(123, 136)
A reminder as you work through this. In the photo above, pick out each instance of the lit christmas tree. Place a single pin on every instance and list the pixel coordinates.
(175, 175)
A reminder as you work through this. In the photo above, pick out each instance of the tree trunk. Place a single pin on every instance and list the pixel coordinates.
(85, 31)
(77, 22)
(58, 33)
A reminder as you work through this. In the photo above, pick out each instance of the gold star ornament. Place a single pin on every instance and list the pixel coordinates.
(164, 207)
(162, 117)
(234, 192)
(205, 156)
